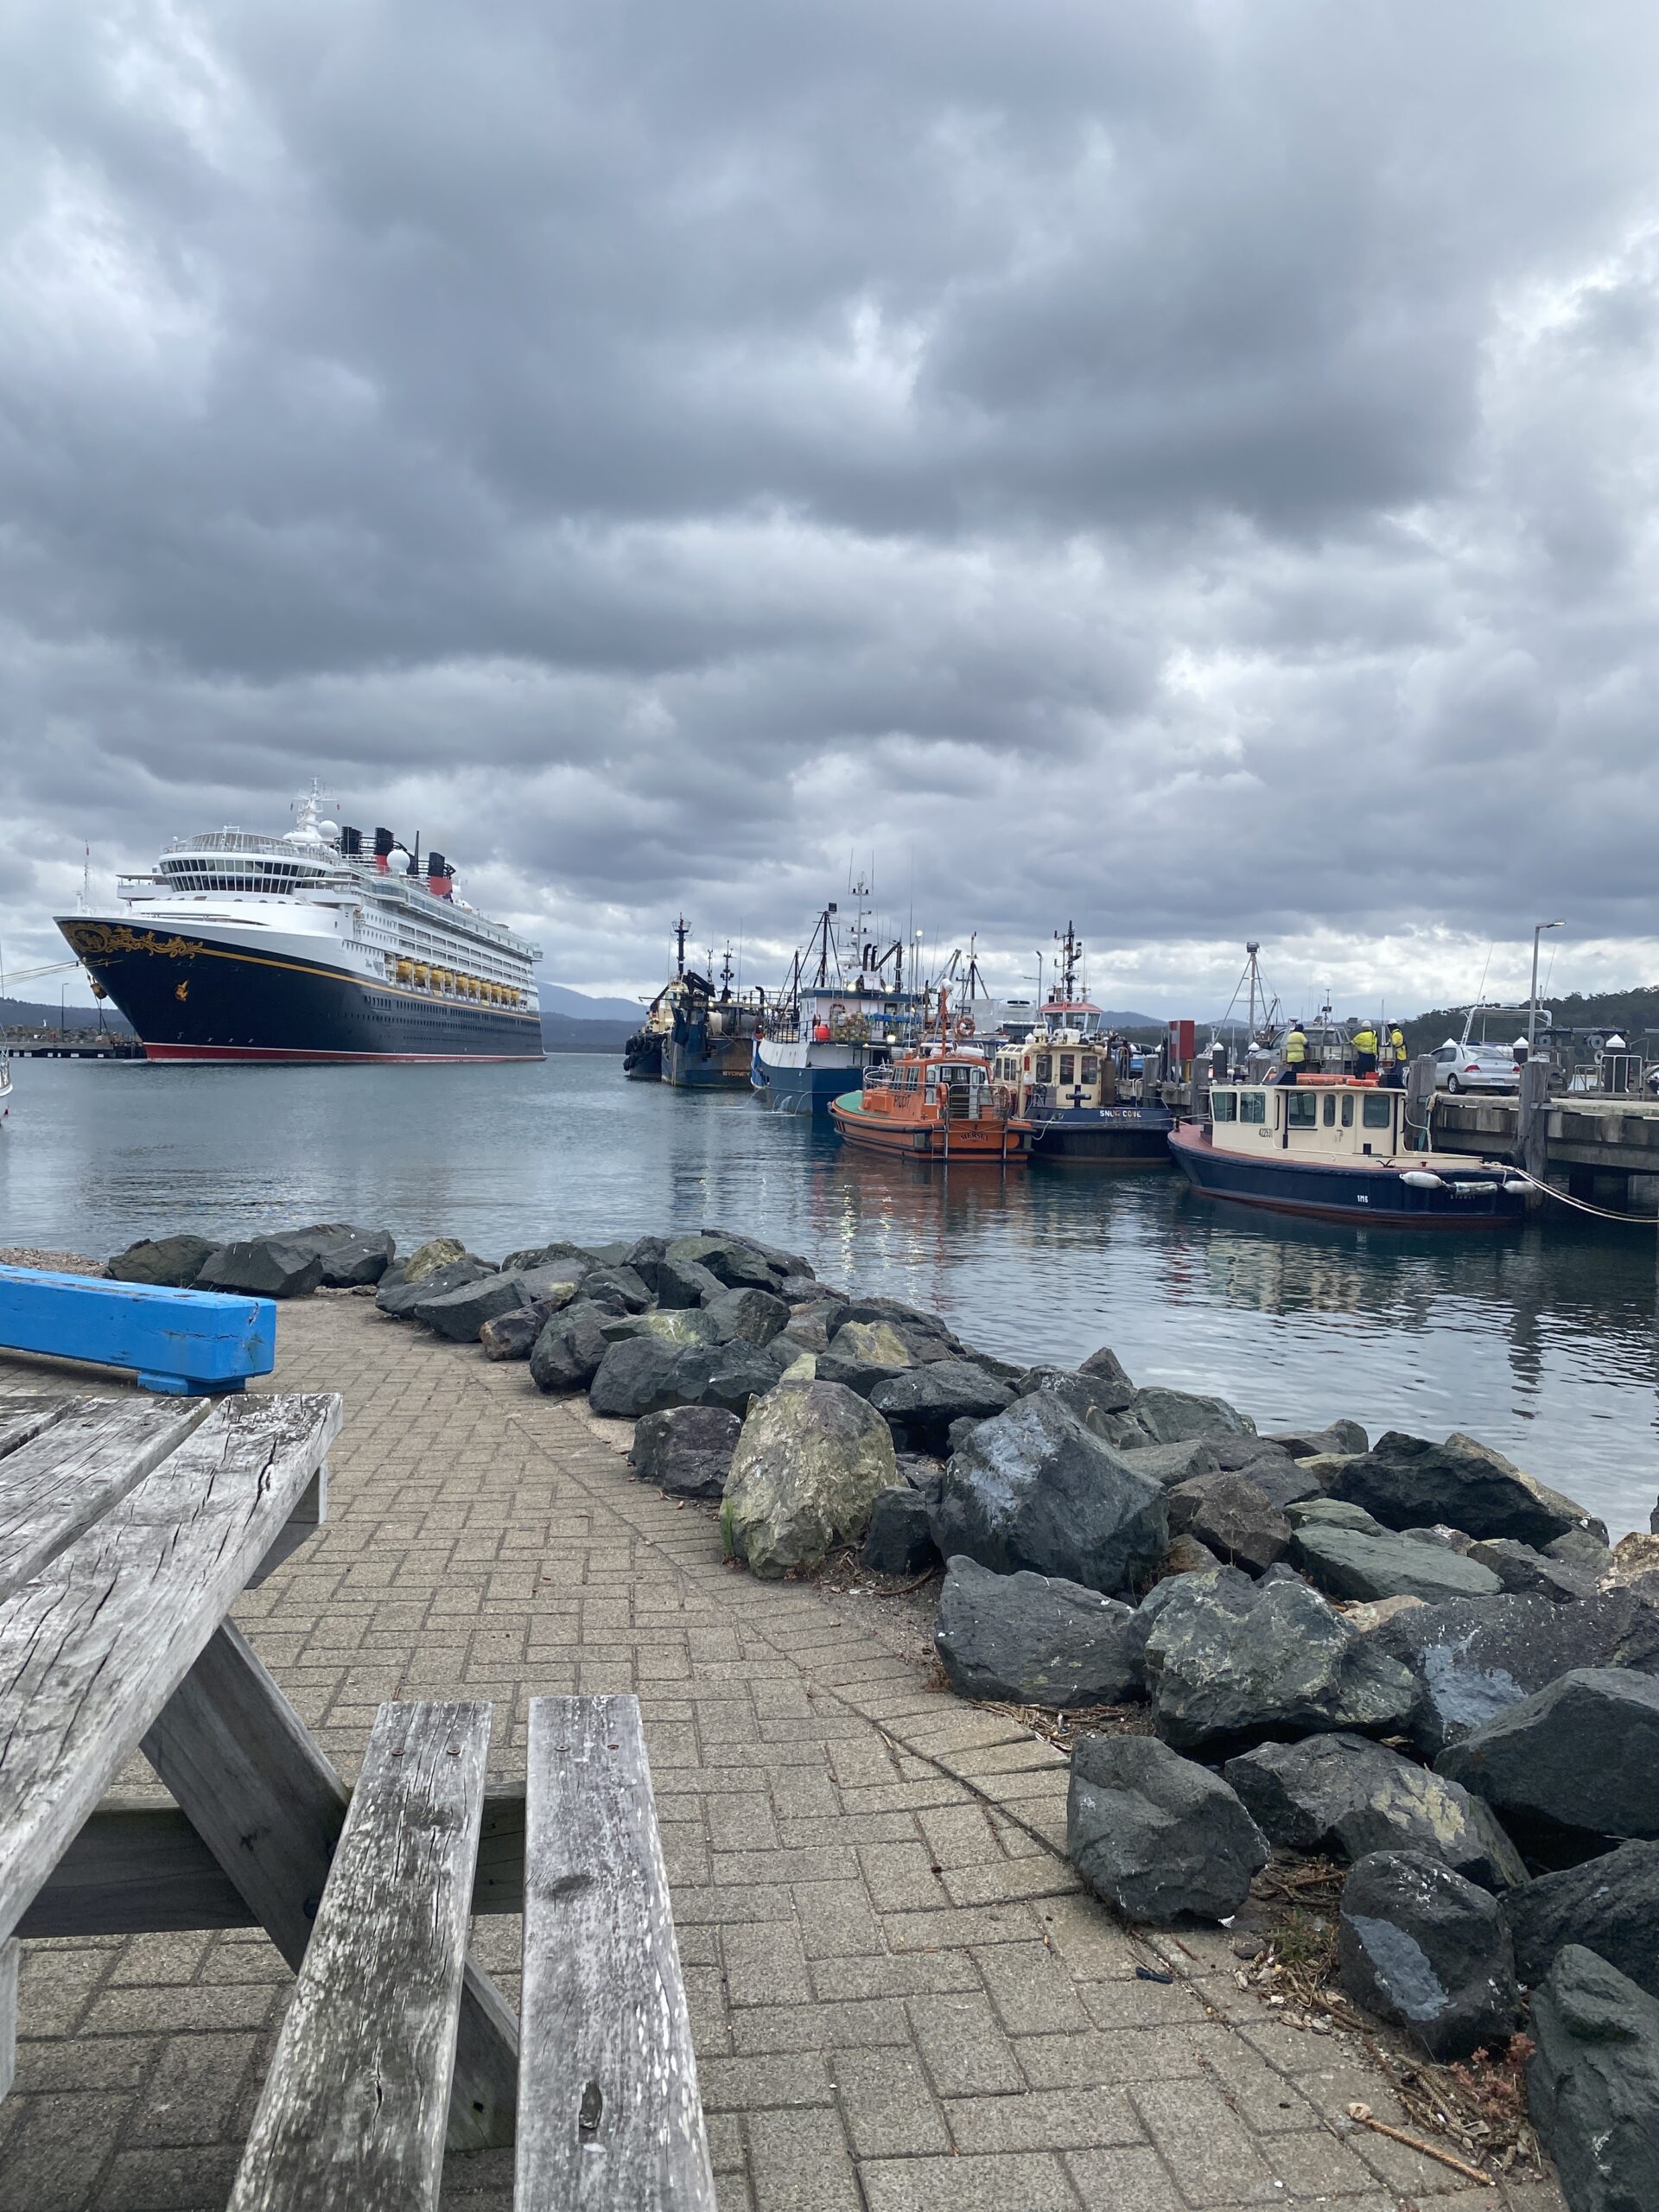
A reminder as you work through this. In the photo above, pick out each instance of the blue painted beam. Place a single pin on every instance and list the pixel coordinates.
(186, 1342)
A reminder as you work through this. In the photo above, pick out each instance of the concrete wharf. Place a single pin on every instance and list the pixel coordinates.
(69, 1044)
(902, 1999)
(1605, 1150)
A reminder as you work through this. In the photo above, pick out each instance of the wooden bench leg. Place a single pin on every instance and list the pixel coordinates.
(611, 2121)
(351, 2115)
(269, 1807)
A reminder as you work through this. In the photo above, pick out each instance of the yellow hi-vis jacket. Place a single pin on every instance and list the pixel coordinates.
(1397, 1039)
(1365, 1039)
(1295, 1049)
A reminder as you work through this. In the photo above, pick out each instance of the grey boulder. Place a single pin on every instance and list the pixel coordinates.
(1520, 1569)
(461, 1312)
(747, 1316)
(1406, 1481)
(567, 1354)
(686, 1450)
(1156, 1415)
(1034, 1639)
(1105, 1369)
(353, 1261)
(899, 1539)
(618, 1286)
(924, 1402)
(1233, 1517)
(1357, 1563)
(1342, 1437)
(1157, 1836)
(1579, 1758)
(400, 1300)
(1429, 1950)
(263, 1267)
(685, 1283)
(1094, 1398)
(1034, 1489)
(641, 1375)
(173, 1262)
(1592, 2083)
(567, 1258)
(1347, 1796)
(1473, 1658)
(1611, 1904)
(513, 1336)
(1230, 1662)
(809, 1463)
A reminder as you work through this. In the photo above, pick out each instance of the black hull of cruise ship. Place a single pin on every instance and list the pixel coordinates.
(192, 1001)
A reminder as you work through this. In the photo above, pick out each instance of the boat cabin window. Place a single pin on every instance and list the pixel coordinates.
(1044, 1067)
(1224, 1105)
(1068, 1067)
(1330, 1109)
(1348, 1110)
(1301, 1110)
(1252, 1105)
(1091, 1068)
(1378, 1112)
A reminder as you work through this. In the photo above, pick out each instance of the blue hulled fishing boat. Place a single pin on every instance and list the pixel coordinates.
(835, 1019)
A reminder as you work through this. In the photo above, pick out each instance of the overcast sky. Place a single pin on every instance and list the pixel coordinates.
(1188, 468)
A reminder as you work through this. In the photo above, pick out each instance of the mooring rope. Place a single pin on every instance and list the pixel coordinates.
(1582, 1206)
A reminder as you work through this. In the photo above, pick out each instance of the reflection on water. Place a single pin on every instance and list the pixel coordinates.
(1541, 1340)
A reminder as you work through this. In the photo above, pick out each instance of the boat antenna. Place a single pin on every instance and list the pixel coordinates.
(681, 932)
(1070, 950)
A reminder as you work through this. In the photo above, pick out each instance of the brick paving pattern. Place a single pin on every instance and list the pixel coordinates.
(902, 2001)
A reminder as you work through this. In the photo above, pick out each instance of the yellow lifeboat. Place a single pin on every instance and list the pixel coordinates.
(405, 971)
(423, 973)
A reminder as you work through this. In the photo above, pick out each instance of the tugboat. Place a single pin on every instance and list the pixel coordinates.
(1342, 1148)
(935, 1102)
(710, 1038)
(1074, 1095)
(832, 1022)
(642, 1055)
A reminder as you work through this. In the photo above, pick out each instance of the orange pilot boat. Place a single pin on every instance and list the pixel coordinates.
(936, 1103)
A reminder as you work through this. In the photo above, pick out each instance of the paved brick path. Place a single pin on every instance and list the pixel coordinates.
(902, 2002)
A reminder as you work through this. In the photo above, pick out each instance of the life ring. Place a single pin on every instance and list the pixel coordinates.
(965, 1027)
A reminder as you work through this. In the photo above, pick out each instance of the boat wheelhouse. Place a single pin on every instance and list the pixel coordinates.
(1075, 1097)
(938, 1101)
(1342, 1148)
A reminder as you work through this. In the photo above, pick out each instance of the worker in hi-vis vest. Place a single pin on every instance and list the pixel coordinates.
(1364, 1050)
(1395, 1076)
(1296, 1052)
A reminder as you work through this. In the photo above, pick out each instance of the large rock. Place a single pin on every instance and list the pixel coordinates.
(808, 1328)
(1171, 1464)
(570, 1260)
(809, 1463)
(1609, 1904)
(899, 1539)
(568, 1353)
(1033, 1488)
(1034, 1639)
(1347, 1796)
(680, 1325)
(686, 1450)
(173, 1262)
(1592, 2083)
(1406, 1481)
(748, 1316)
(513, 1336)
(1475, 1657)
(732, 1374)
(362, 1256)
(460, 1313)
(922, 1401)
(1579, 1759)
(264, 1267)
(1156, 1835)
(1094, 1399)
(1107, 1371)
(1235, 1518)
(400, 1300)
(685, 1283)
(1352, 1563)
(1156, 1415)
(436, 1252)
(616, 1285)
(1425, 1948)
(641, 1375)
(1229, 1662)
(1342, 1438)
(731, 1260)
(644, 1256)
(911, 1320)
(1520, 1569)
(863, 1353)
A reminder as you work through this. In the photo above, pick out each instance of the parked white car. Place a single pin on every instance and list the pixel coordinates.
(1475, 1067)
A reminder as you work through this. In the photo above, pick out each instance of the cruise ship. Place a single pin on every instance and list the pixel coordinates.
(308, 947)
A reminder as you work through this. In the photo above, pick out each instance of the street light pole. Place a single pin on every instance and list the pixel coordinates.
(1531, 1003)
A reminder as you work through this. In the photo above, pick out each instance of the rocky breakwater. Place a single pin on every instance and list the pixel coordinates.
(1407, 1656)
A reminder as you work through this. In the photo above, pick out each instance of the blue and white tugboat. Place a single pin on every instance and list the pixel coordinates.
(835, 1020)
(1342, 1148)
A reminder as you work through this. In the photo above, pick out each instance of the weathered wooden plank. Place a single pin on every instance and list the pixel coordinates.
(183, 1340)
(310, 1513)
(352, 2116)
(22, 1418)
(610, 2119)
(56, 1485)
(140, 1869)
(10, 1953)
(93, 1647)
(269, 1807)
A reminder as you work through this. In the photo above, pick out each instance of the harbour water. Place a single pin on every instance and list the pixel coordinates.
(1539, 1340)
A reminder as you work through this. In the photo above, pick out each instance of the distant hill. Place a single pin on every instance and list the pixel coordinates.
(39, 1014)
(557, 998)
(561, 1034)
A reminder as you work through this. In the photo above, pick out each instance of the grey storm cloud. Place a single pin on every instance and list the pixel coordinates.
(1186, 467)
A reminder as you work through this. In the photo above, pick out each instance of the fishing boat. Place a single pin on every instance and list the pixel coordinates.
(642, 1055)
(937, 1101)
(1340, 1148)
(710, 1037)
(838, 1016)
(1075, 1094)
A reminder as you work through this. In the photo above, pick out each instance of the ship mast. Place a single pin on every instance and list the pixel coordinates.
(1071, 952)
(682, 931)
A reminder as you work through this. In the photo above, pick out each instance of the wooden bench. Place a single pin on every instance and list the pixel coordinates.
(187, 1343)
(355, 2106)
